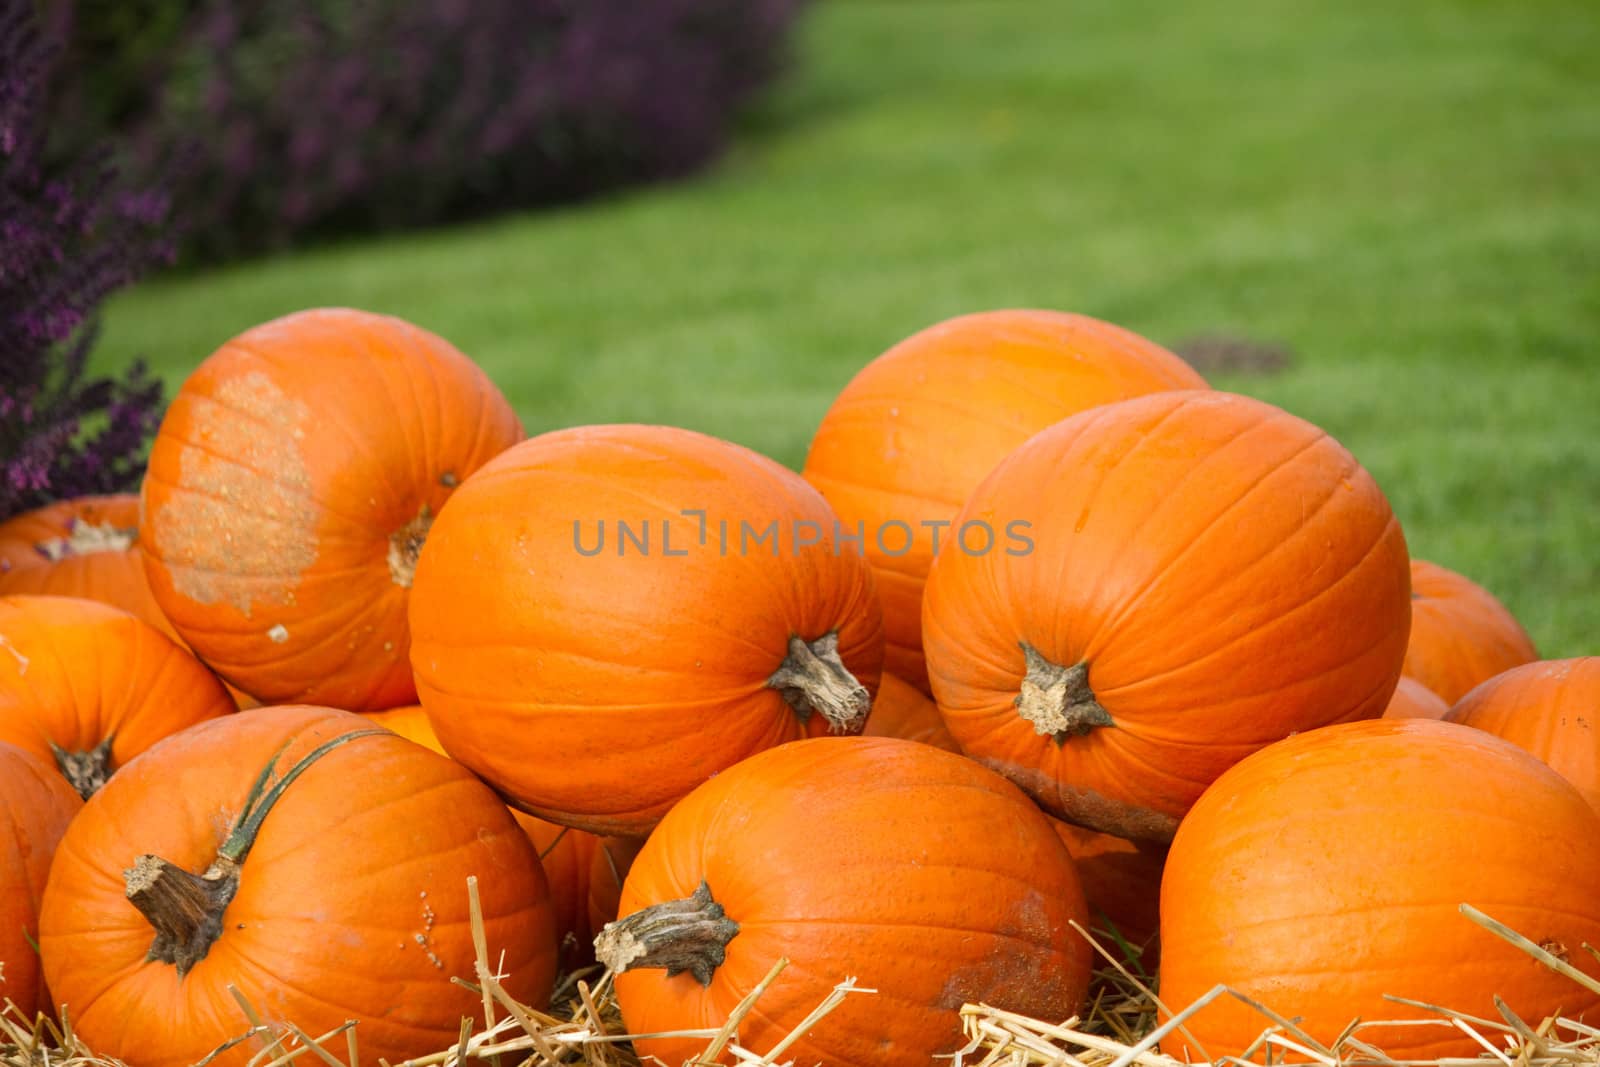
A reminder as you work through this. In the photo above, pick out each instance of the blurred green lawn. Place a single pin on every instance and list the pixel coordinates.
(1406, 195)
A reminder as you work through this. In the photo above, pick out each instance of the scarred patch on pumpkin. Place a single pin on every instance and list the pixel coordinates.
(240, 525)
(1086, 807)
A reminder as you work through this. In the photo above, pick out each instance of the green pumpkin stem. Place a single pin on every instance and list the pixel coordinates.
(677, 936)
(814, 679)
(186, 909)
(1057, 700)
(85, 771)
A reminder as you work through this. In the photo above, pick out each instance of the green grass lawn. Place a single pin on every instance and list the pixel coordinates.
(1407, 196)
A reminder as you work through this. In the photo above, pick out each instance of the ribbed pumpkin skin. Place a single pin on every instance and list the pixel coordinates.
(366, 852)
(920, 426)
(1228, 573)
(1121, 881)
(287, 478)
(595, 691)
(609, 865)
(1460, 633)
(36, 805)
(86, 547)
(901, 710)
(1413, 700)
(1327, 871)
(566, 855)
(1550, 708)
(74, 673)
(923, 875)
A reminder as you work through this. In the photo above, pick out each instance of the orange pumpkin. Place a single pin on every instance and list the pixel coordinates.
(924, 876)
(609, 865)
(87, 687)
(35, 807)
(1460, 634)
(87, 547)
(1413, 700)
(313, 861)
(1174, 581)
(568, 605)
(899, 710)
(566, 855)
(918, 428)
(1122, 882)
(1326, 872)
(290, 488)
(1551, 708)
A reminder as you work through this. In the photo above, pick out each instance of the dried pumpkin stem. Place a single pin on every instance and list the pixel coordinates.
(86, 771)
(86, 538)
(813, 679)
(405, 546)
(186, 909)
(1058, 700)
(679, 935)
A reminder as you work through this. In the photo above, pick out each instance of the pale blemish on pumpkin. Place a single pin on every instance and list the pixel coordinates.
(240, 530)
(16, 653)
(278, 634)
(87, 538)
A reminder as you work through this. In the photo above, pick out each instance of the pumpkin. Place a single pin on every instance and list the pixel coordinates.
(1413, 700)
(313, 861)
(86, 687)
(567, 856)
(1460, 634)
(1551, 708)
(643, 607)
(900, 710)
(1326, 872)
(1173, 582)
(926, 877)
(609, 865)
(1122, 883)
(35, 807)
(291, 486)
(918, 428)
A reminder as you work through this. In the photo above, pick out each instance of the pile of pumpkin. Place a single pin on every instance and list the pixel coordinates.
(1134, 654)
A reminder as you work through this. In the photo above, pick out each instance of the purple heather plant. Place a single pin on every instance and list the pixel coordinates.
(68, 238)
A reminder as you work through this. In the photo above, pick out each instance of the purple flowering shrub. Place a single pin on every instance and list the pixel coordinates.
(68, 238)
(294, 116)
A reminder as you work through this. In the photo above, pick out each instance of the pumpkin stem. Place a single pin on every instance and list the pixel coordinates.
(1058, 700)
(678, 935)
(813, 678)
(186, 909)
(405, 545)
(84, 538)
(85, 771)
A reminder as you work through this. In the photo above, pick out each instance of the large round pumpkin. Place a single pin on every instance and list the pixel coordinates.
(918, 428)
(917, 872)
(1325, 873)
(901, 710)
(1551, 708)
(290, 488)
(313, 861)
(606, 616)
(1155, 589)
(1413, 700)
(87, 687)
(35, 807)
(1460, 634)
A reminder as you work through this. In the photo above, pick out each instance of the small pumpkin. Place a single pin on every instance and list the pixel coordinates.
(85, 547)
(312, 860)
(642, 607)
(1325, 873)
(609, 865)
(35, 807)
(901, 710)
(1550, 708)
(87, 687)
(1186, 577)
(1122, 883)
(1413, 700)
(290, 488)
(926, 877)
(915, 431)
(1460, 633)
